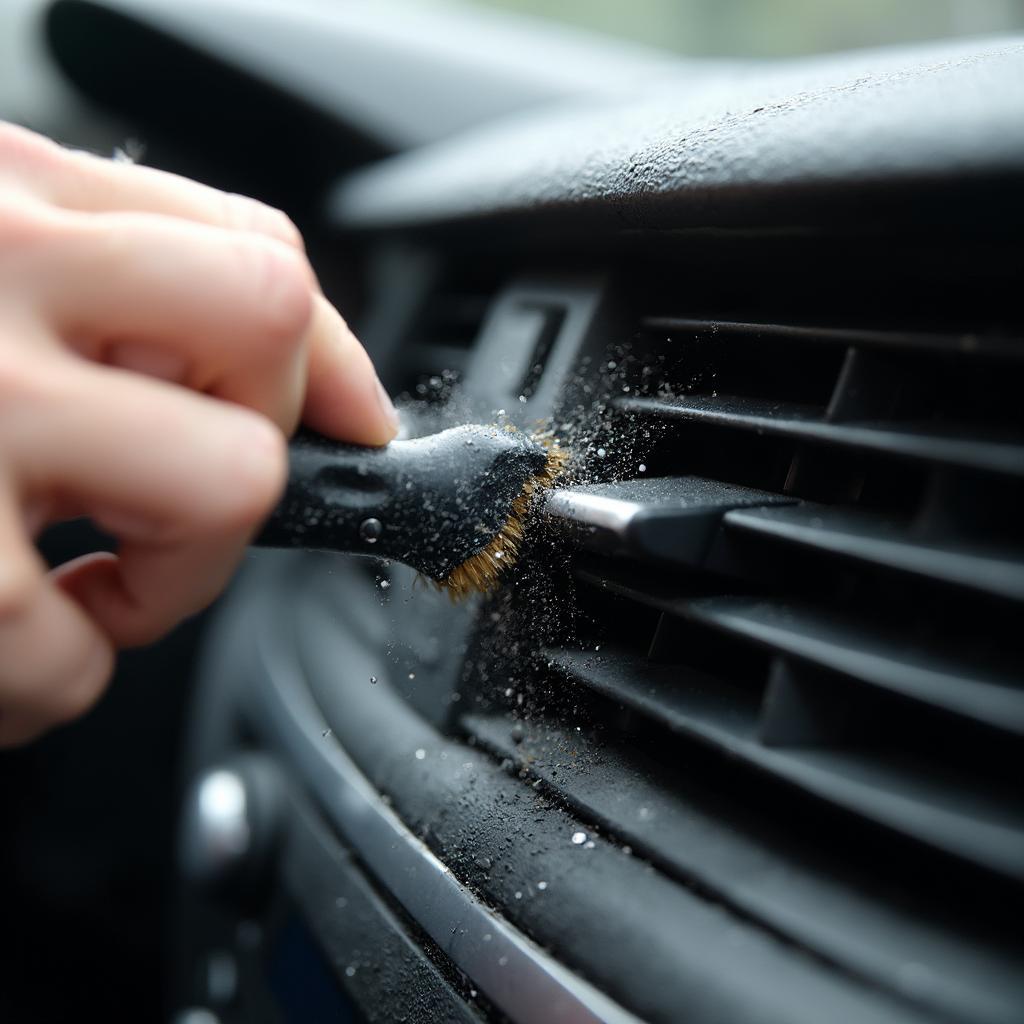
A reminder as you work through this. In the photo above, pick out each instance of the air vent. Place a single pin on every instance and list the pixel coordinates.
(436, 348)
(792, 675)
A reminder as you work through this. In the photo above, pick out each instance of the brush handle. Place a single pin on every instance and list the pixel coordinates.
(334, 496)
(430, 502)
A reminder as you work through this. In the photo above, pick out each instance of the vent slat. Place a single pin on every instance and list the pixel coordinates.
(948, 446)
(873, 541)
(924, 802)
(805, 894)
(966, 344)
(856, 651)
(861, 655)
(665, 519)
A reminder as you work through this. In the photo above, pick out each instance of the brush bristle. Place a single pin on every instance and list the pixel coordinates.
(482, 571)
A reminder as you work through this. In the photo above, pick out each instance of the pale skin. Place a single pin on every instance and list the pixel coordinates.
(159, 341)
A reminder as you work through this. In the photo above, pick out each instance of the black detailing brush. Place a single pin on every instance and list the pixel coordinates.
(450, 505)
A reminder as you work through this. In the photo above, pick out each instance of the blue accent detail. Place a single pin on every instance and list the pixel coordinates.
(303, 982)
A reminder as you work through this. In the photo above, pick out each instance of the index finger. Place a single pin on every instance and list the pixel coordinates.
(181, 479)
(87, 183)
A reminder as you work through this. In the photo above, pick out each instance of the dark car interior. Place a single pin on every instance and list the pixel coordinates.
(740, 738)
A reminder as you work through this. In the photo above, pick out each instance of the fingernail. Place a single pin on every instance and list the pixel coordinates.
(387, 407)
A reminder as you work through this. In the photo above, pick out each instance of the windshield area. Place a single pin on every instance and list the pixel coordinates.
(776, 28)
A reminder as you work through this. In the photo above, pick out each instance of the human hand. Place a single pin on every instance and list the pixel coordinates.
(158, 341)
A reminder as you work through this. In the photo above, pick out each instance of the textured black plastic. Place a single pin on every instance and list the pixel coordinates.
(367, 941)
(332, 58)
(429, 502)
(596, 908)
(868, 138)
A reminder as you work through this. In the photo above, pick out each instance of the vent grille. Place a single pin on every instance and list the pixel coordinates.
(794, 676)
(433, 356)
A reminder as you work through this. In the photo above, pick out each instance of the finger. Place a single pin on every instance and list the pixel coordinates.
(221, 312)
(149, 459)
(344, 398)
(92, 184)
(218, 312)
(139, 594)
(54, 661)
(183, 481)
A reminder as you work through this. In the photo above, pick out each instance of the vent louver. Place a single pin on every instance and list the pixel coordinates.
(433, 353)
(797, 651)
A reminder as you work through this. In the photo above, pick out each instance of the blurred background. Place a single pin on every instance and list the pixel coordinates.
(776, 28)
(698, 28)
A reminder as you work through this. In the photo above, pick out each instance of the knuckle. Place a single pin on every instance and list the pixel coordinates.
(283, 228)
(243, 213)
(276, 223)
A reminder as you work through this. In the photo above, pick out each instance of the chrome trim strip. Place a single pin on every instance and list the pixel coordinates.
(516, 975)
(598, 510)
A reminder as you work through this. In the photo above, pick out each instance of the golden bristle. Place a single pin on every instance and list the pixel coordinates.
(481, 572)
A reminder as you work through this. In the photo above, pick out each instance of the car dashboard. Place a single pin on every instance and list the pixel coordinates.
(739, 739)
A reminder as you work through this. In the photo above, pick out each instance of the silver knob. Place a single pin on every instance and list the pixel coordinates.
(196, 1015)
(231, 826)
(216, 828)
